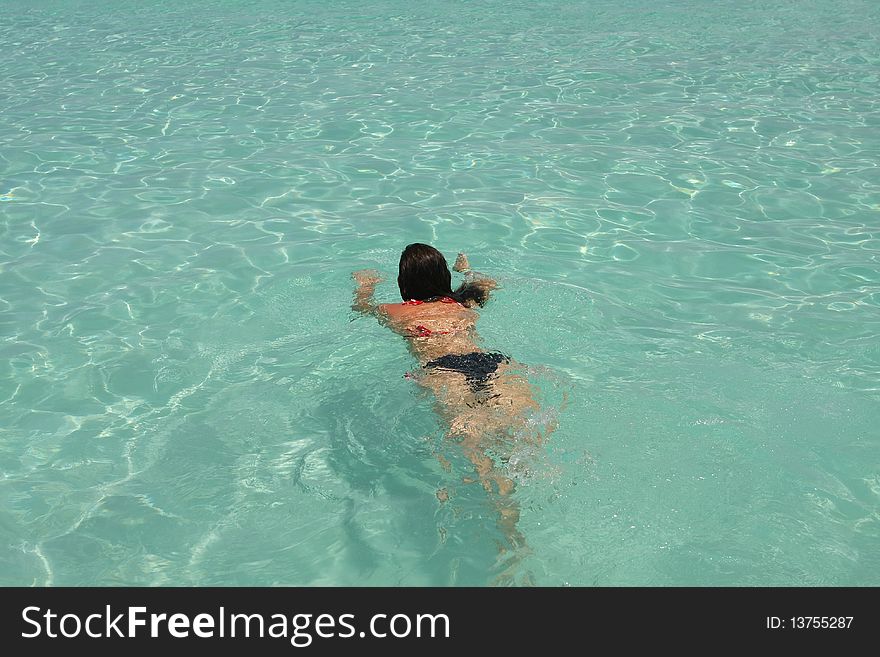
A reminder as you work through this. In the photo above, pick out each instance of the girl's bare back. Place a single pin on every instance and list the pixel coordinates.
(475, 403)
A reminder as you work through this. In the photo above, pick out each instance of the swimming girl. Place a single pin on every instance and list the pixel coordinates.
(479, 394)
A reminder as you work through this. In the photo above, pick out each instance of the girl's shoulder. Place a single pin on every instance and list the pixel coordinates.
(394, 309)
(399, 309)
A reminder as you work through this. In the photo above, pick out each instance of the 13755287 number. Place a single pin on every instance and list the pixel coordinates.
(820, 622)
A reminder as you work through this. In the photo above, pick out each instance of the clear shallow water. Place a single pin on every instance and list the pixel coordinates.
(682, 204)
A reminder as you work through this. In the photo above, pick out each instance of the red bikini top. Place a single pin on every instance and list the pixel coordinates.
(416, 302)
(423, 332)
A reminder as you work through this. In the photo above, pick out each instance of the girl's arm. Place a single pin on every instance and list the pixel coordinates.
(474, 279)
(367, 279)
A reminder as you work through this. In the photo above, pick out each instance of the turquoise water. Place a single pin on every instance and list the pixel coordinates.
(681, 201)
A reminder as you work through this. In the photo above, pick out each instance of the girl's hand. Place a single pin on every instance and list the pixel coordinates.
(461, 263)
(367, 277)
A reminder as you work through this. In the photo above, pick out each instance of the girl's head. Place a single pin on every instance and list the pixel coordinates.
(423, 273)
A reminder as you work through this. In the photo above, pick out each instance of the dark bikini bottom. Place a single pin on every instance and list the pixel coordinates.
(476, 366)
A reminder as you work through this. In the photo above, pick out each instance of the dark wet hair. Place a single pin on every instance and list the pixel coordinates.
(423, 275)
